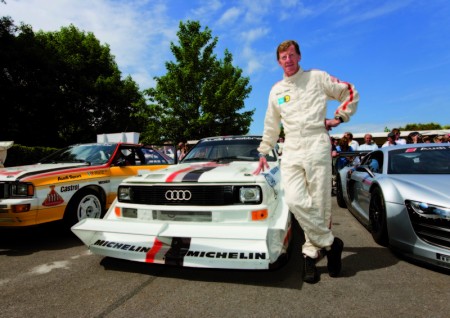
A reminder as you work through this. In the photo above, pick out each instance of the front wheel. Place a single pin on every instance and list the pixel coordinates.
(84, 204)
(377, 216)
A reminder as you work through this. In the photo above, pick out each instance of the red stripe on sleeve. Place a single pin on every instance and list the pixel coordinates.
(344, 106)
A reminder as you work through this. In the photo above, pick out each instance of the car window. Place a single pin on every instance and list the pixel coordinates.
(154, 157)
(223, 149)
(420, 160)
(93, 154)
(374, 161)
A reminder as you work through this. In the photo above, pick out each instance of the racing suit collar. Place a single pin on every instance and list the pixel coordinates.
(294, 77)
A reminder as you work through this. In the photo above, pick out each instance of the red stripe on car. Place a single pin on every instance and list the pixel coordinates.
(150, 256)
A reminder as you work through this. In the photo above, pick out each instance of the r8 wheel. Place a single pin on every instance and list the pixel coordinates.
(377, 217)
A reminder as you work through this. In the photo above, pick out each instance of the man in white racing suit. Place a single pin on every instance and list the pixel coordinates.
(299, 102)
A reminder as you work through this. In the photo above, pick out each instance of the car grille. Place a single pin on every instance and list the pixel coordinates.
(199, 195)
(435, 231)
(4, 190)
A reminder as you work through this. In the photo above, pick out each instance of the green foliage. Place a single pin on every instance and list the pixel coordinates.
(62, 87)
(19, 155)
(200, 95)
(428, 126)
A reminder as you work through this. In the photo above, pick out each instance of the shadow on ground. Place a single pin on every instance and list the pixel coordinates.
(26, 241)
(288, 275)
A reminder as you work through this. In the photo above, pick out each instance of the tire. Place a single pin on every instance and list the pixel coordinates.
(84, 204)
(377, 217)
(339, 194)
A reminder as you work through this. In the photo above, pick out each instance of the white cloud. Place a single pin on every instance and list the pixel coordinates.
(230, 16)
(254, 34)
(138, 32)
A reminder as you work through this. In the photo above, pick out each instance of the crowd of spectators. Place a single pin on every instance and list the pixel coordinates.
(347, 143)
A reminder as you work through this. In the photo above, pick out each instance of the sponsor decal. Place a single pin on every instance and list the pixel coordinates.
(53, 198)
(69, 177)
(96, 172)
(73, 187)
(367, 180)
(273, 176)
(433, 148)
(227, 255)
(174, 253)
(284, 99)
(122, 246)
(104, 181)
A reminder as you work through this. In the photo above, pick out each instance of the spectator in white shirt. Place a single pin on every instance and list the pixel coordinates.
(390, 140)
(352, 143)
(398, 140)
(368, 144)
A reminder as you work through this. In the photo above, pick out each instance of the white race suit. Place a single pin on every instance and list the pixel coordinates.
(299, 102)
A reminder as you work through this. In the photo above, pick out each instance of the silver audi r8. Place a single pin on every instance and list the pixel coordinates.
(402, 195)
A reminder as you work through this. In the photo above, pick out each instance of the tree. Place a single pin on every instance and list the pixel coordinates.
(62, 87)
(428, 126)
(199, 96)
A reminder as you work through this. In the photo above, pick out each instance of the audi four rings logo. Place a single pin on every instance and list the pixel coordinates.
(178, 195)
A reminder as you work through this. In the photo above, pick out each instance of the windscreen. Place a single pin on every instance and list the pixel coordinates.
(420, 160)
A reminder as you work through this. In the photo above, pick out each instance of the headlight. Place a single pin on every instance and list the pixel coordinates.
(124, 194)
(22, 189)
(250, 194)
(430, 209)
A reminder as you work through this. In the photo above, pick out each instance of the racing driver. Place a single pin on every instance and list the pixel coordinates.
(299, 103)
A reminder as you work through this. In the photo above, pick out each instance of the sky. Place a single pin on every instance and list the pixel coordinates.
(395, 52)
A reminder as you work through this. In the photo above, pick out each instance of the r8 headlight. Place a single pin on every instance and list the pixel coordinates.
(124, 194)
(250, 194)
(427, 209)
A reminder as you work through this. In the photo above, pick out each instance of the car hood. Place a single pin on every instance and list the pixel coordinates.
(423, 187)
(236, 171)
(20, 172)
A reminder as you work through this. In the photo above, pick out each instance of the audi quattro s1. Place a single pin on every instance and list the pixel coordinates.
(76, 182)
(208, 211)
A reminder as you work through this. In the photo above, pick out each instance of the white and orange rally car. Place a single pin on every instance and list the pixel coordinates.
(74, 183)
(208, 211)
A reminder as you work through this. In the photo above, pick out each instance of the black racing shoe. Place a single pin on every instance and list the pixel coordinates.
(311, 274)
(334, 257)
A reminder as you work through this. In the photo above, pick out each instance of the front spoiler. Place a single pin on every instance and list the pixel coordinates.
(234, 246)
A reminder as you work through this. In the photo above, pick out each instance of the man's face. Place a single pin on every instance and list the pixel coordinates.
(289, 60)
(368, 139)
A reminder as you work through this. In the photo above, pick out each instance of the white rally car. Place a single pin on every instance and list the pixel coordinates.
(208, 211)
